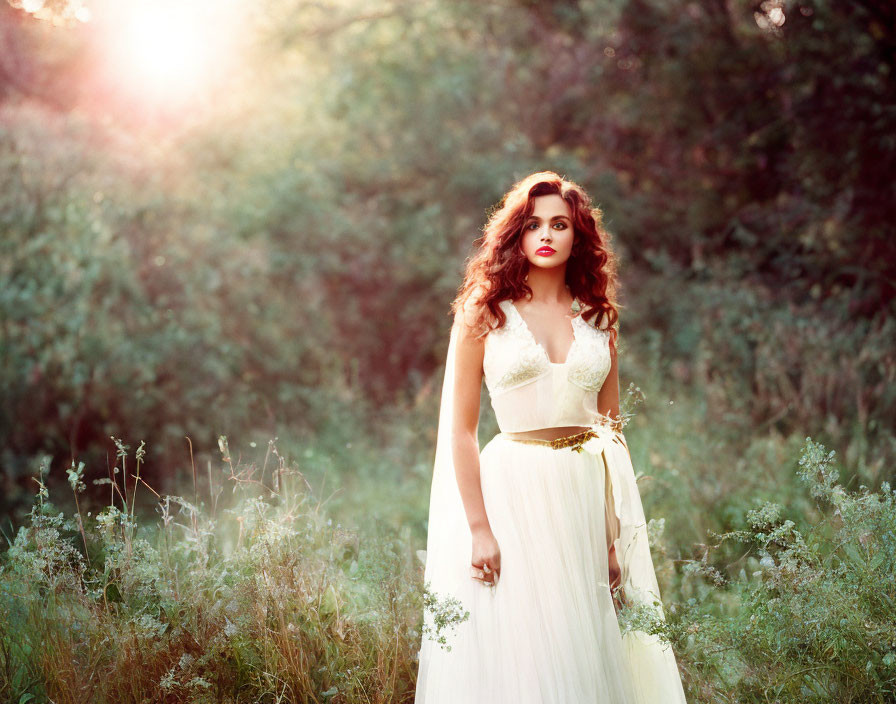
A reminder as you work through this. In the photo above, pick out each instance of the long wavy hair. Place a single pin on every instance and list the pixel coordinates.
(497, 271)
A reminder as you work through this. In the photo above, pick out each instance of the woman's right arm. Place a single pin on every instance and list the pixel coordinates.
(465, 446)
(465, 424)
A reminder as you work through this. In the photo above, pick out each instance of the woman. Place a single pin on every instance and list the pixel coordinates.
(540, 537)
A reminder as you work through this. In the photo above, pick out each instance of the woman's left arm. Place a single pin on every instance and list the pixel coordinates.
(608, 405)
(608, 396)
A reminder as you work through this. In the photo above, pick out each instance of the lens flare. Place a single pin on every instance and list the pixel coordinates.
(164, 46)
(163, 50)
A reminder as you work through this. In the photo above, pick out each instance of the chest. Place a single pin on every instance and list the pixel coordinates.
(512, 356)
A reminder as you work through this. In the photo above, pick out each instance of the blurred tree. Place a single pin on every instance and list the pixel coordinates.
(281, 248)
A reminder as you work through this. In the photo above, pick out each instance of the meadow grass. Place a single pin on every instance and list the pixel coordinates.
(258, 583)
(262, 600)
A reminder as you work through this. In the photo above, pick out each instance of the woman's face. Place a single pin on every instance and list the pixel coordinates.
(548, 234)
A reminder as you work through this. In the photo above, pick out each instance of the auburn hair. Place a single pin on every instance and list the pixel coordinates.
(497, 270)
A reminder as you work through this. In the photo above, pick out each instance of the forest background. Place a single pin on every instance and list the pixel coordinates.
(232, 232)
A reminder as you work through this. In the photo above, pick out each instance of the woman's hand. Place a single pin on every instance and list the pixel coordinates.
(486, 562)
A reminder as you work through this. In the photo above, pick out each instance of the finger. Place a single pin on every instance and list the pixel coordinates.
(485, 580)
(485, 574)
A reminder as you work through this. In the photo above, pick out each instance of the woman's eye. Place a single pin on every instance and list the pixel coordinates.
(560, 225)
(533, 225)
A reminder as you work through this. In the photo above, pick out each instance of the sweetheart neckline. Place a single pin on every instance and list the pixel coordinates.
(575, 336)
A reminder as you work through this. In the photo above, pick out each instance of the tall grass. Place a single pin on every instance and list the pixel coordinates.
(264, 600)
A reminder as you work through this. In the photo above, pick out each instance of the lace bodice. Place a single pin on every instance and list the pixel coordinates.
(528, 391)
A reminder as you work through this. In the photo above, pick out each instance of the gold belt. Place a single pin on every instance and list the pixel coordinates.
(573, 441)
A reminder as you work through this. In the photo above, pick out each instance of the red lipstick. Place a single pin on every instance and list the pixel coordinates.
(545, 251)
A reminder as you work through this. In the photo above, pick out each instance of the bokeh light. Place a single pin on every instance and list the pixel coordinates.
(58, 12)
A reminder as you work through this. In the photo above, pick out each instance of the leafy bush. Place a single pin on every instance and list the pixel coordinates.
(807, 613)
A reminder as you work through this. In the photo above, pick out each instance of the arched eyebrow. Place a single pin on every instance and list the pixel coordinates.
(555, 217)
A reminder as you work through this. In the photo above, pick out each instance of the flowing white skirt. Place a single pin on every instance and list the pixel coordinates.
(547, 632)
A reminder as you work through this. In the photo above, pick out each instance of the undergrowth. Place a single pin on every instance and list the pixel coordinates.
(261, 601)
(804, 613)
(266, 600)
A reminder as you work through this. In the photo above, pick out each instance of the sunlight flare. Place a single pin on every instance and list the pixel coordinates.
(169, 50)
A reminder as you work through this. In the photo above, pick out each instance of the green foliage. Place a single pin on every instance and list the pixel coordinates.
(276, 257)
(764, 364)
(263, 598)
(812, 620)
(281, 254)
(446, 613)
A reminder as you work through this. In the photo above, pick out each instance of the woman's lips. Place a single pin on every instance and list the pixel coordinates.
(545, 251)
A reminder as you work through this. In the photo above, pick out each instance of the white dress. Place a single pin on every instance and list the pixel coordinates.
(547, 633)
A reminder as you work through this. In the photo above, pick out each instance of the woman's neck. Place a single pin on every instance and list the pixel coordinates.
(548, 285)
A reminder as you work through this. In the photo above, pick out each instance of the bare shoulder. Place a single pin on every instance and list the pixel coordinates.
(470, 316)
(470, 341)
